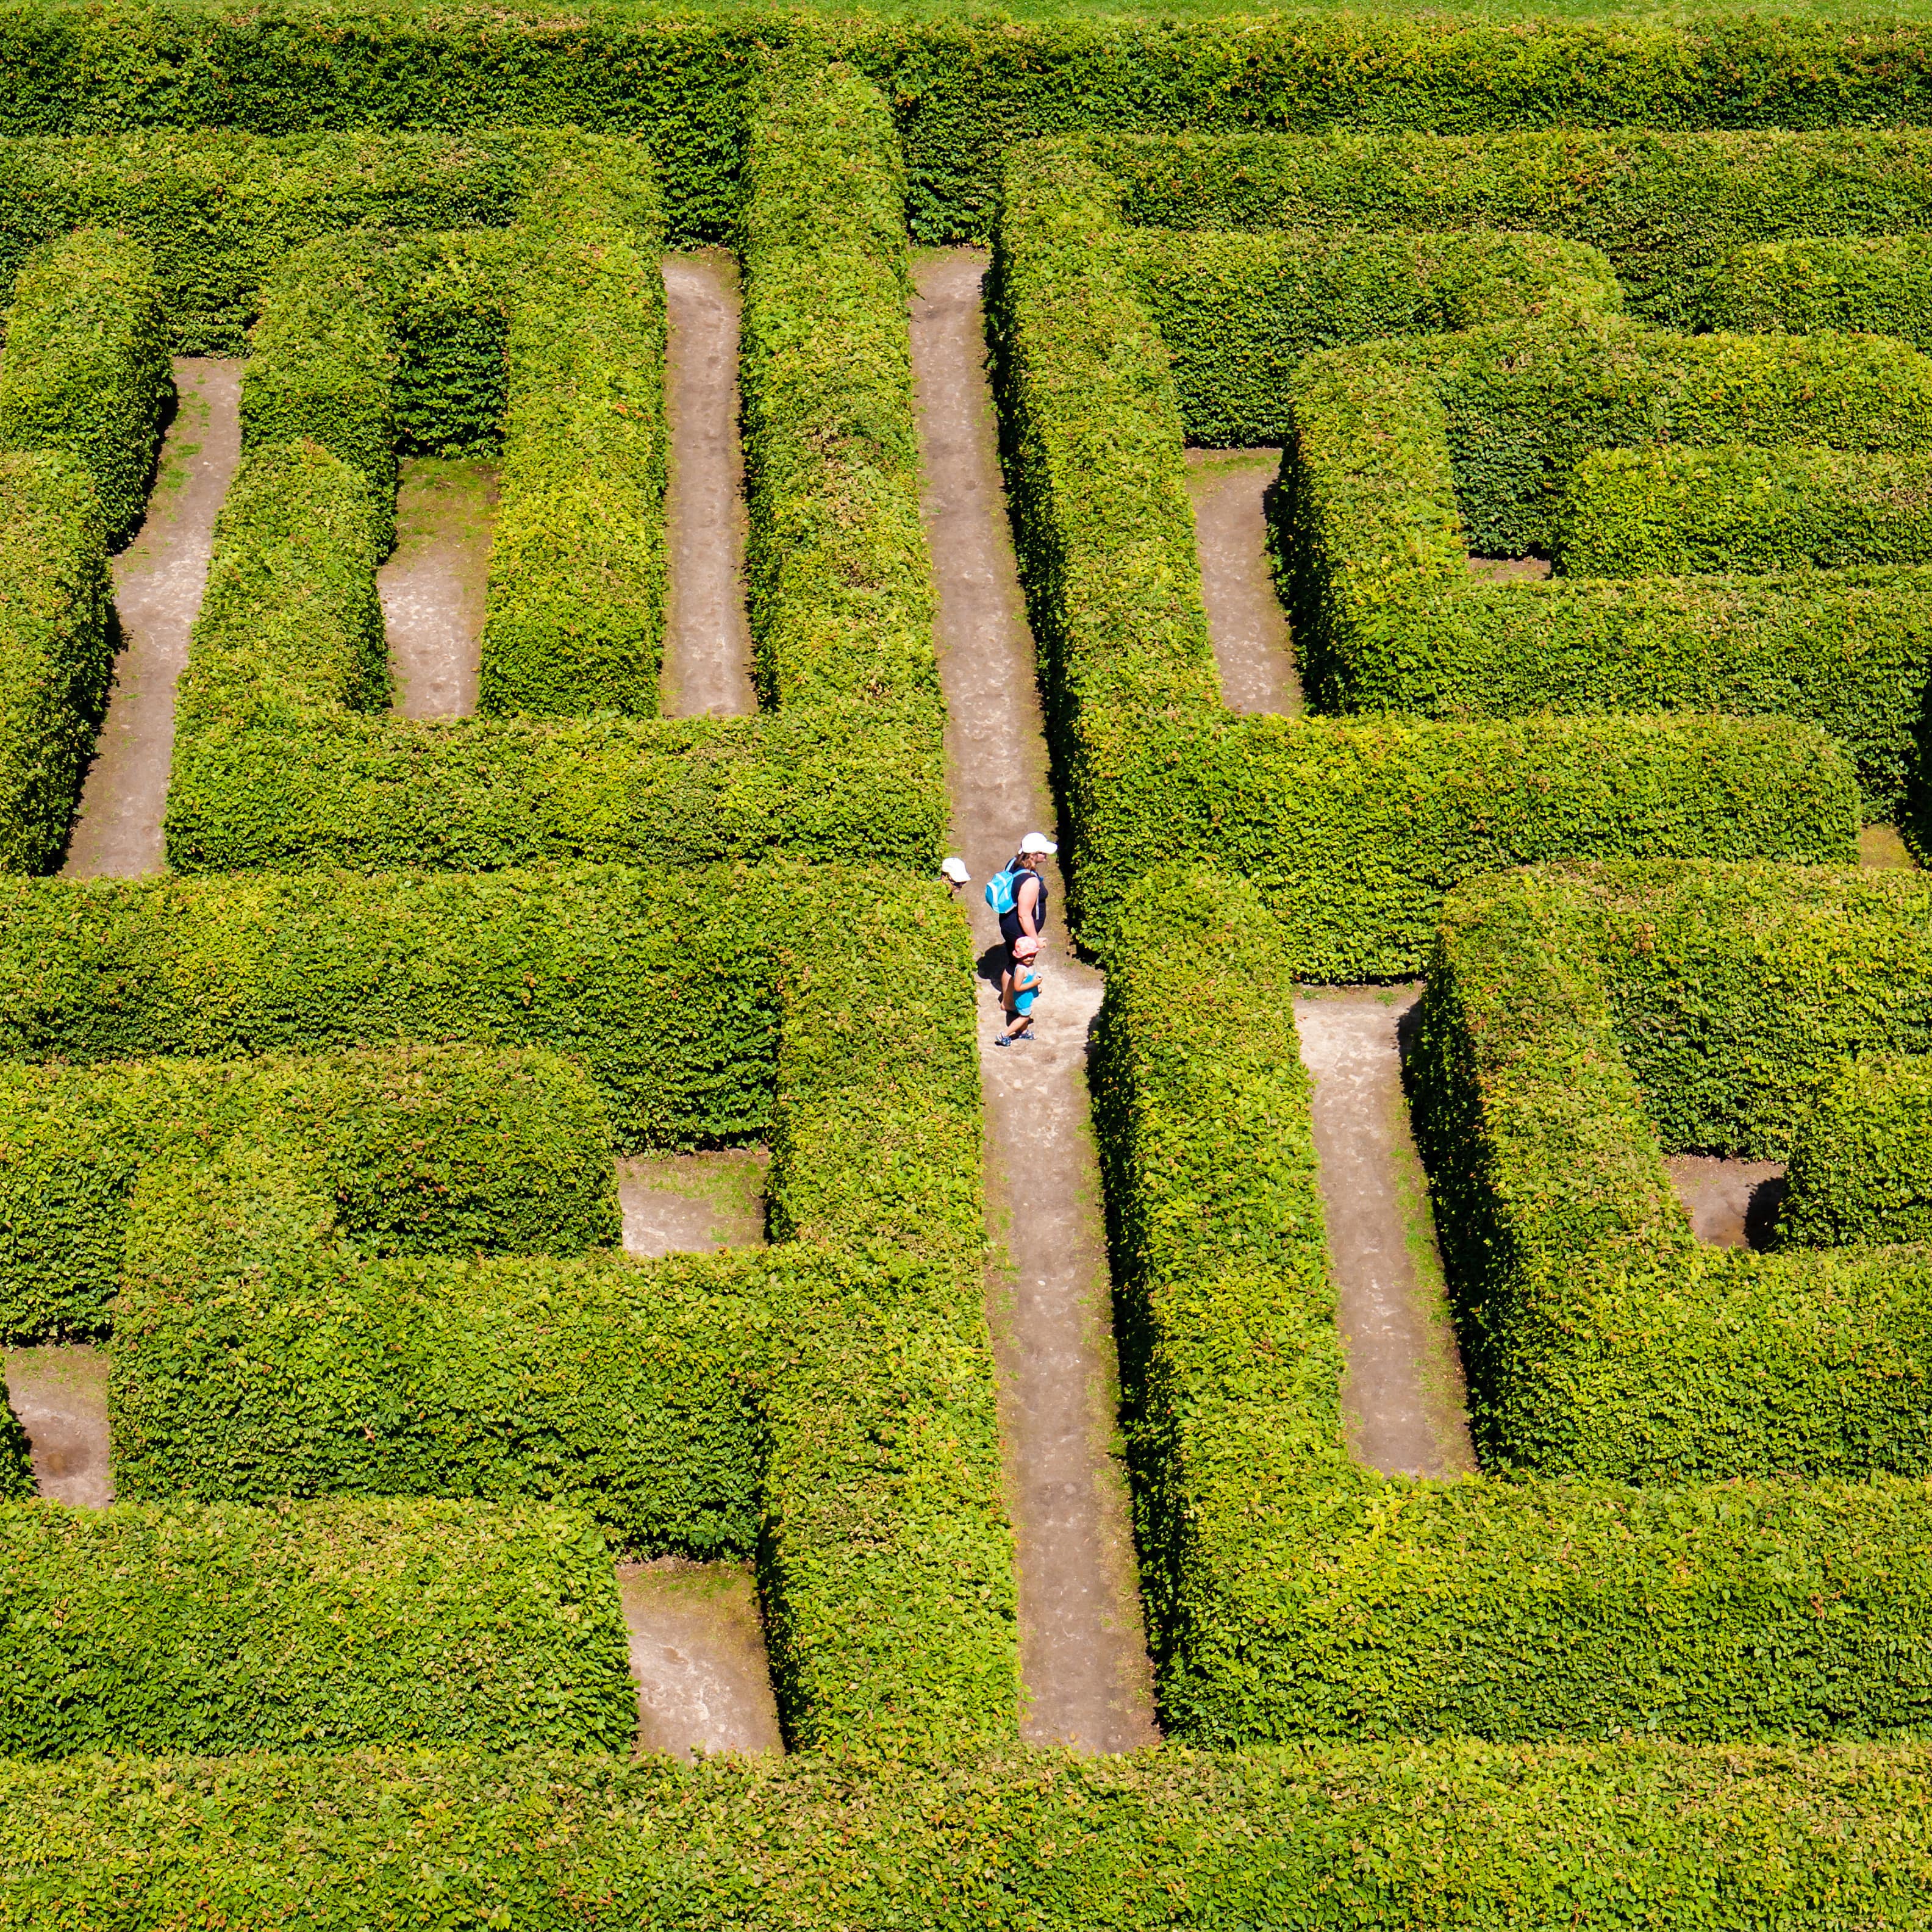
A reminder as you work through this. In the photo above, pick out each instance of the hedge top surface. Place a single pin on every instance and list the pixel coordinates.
(1582, 1023)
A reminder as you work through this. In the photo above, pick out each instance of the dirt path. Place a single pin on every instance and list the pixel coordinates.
(1731, 1203)
(1403, 1398)
(707, 664)
(157, 584)
(60, 1394)
(698, 1651)
(697, 1642)
(432, 587)
(693, 1204)
(1083, 1653)
(1245, 618)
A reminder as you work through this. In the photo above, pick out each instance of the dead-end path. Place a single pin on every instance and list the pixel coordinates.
(433, 587)
(707, 662)
(1083, 1650)
(60, 1394)
(1403, 1398)
(158, 581)
(697, 1641)
(1245, 619)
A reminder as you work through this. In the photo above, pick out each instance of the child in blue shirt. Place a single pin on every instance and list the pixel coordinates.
(1023, 990)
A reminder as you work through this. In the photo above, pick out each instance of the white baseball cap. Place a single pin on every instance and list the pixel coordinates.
(1038, 841)
(954, 869)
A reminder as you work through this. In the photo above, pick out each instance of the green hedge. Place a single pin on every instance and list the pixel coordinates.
(1238, 311)
(963, 89)
(1466, 444)
(1352, 829)
(1860, 1165)
(56, 652)
(1672, 511)
(251, 1363)
(1667, 208)
(405, 1151)
(1580, 1025)
(278, 764)
(575, 621)
(1293, 1594)
(1321, 1836)
(839, 579)
(1877, 284)
(313, 1628)
(86, 367)
(829, 1405)
(367, 343)
(219, 209)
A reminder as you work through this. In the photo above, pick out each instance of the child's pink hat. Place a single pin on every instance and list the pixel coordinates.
(1025, 946)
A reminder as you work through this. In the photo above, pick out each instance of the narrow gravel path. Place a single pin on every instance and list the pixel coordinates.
(1245, 619)
(697, 1641)
(433, 585)
(158, 581)
(1083, 1652)
(1403, 1401)
(60, 1394)
(697, 1652)
(707, 662)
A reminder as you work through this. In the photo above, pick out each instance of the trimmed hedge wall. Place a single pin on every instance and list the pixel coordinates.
(1860, 1165)
(964, 90)
(56, 654)
(575, 616)
(1293, 1594)
(829, 1404)
(312, 1628)
(276, 762)
(1877, 284)
(571, 303)
(1672, 512)
(1238, 311)
(840, 580)
(219, 209)
(1351, 828)
(86, 367)
(1467, 444)
(1626, 1834)
(1667, 208)
(1580, 1025)
(410, 1150)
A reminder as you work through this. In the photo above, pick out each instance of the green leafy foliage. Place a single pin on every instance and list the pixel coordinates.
(1580, 1026)
(1878, 284)
(85, 370)
(1351, 828)
(1294, 1593)
(1319, 1835)
(1408, 458)
(840, 581)
(575, 617)
(829, 1406)
(1659, 512)
(966, 88)
(1860, 1165)
(407, 1151)
(1666, 207)
(56, 653)
(312, 1628)
(279, 762)
(1237, 311)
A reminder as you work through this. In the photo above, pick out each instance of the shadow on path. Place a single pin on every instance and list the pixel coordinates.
(1083, 1650)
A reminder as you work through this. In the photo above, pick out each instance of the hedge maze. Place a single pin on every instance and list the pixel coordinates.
(1603, 527)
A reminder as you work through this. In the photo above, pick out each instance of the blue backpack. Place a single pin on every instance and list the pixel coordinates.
(1001, 888)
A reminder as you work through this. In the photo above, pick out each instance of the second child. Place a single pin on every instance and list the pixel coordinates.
(1023, 989)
